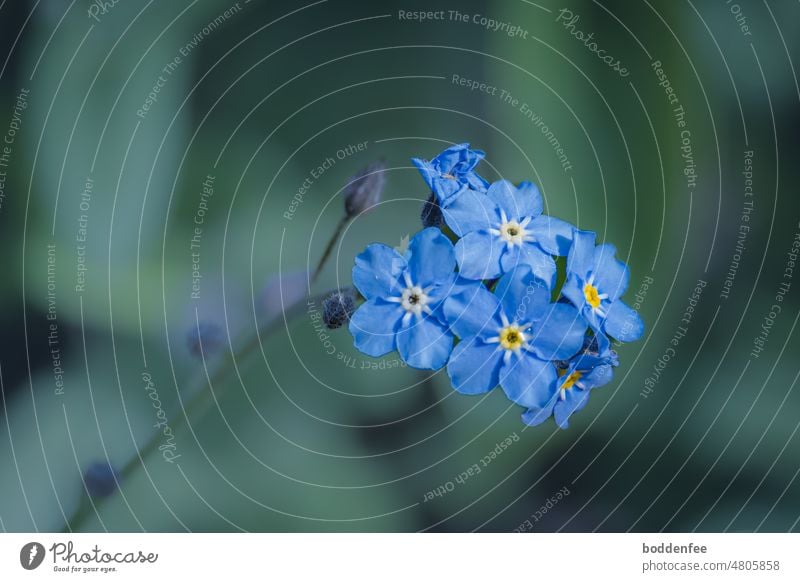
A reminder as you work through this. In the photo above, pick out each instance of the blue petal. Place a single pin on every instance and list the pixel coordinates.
(542, 264)
(536, 416)
(473, 312)
(528, 381)
(478, 255)
(559, 334)
(532, 202)
(552, 234)
(452, 171)
(431, 258)
(604, 343)
(464, 284)
(523, 295)
(373, 327)
(517, 203)
(458, 157)
(585, 362)
(610, 274)
(471, 211)
(598, 376)
(595, 323)
(572, 291)
(575, 399)
(596, 370)
(427, 170)
(623, 323)
(476, 182)
(474, 367)
(581, 256)
(376, 271)
(425, 344)
(447, 190)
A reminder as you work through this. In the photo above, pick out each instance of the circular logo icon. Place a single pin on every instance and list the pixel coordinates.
(31, 555)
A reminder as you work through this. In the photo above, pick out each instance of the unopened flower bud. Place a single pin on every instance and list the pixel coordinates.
(338, 308)
(431, 214)
(101, 479)
(365, 189)
(205, 338)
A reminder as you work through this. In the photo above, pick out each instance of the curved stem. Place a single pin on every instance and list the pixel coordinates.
(201, 396)
(328, 249)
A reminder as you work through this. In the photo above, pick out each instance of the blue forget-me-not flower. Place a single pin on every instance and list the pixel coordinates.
(504, 228)
(452, 172)
(494, 291)
(596, 280)
(403, 295)
(511, 337)
(586, 370)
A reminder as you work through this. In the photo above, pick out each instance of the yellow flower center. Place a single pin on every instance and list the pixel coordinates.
(571, 380)
(511, 337)
(592, 296)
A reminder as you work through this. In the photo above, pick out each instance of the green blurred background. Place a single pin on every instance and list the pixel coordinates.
(305, 434)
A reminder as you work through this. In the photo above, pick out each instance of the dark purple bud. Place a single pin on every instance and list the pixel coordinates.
(101, 479)
(338, 308)
(364, 189)
(205, 338)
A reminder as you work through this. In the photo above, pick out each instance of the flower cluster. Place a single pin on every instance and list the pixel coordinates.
(479, 296)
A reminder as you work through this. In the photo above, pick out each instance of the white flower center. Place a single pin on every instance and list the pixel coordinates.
(414, 299)
(511, 231)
